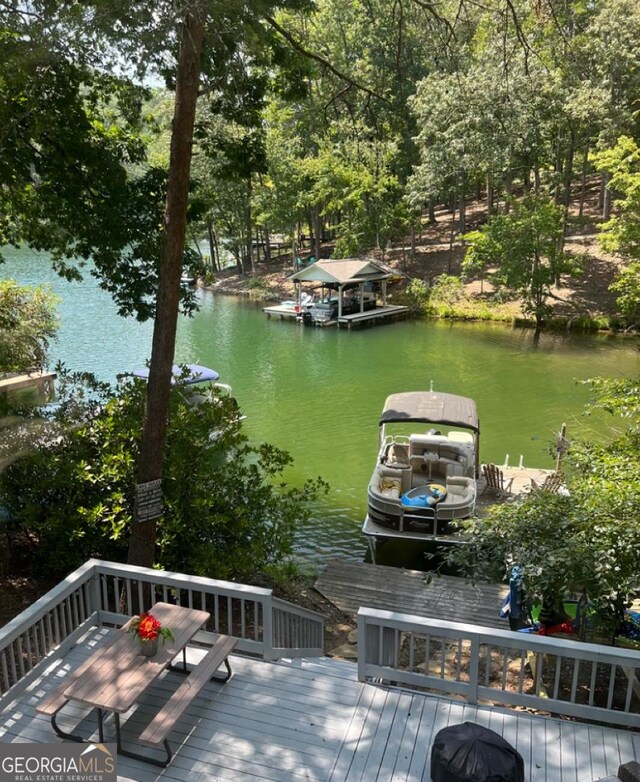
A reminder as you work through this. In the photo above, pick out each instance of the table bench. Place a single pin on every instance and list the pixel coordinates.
(52, 704)
(156, 733)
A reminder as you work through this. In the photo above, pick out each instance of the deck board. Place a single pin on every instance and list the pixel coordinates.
(350, 585)
(313, 721)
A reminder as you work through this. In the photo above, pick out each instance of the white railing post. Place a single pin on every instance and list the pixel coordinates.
(267, 628)
(96, 595)
(362, 646)
(474, 670)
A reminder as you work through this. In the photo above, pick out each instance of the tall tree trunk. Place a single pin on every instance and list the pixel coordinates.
(508, 188)
(583, 182)
(249, 229)
(452, 232)
(536, 178)
(489, 194)
(267, 244)
(413, 242)
(317, 232)
(567, 177)
(294, 249)
(606, 197)
(149, 468)
(463, 203)
(195, 241)
(558, 177)
(432, 209)
(213, 248)
(568, 169)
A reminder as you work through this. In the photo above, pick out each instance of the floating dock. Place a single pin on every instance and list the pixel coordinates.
(350, 585)
(372, 317)
(378, 316)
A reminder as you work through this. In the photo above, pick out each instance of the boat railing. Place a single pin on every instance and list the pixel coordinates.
(394, 439)
(106, 594)
(225, 388)
(558, 675)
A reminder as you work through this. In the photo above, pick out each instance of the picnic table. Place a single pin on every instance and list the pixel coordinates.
(116, 675)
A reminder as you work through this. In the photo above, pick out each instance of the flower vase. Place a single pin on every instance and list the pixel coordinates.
(149, 648)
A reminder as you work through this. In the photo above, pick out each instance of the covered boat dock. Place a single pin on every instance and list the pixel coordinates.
(357, 284)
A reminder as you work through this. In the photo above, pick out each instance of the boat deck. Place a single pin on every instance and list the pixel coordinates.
(350, 585)
(312, 720)
(485, 499)
(281, 311)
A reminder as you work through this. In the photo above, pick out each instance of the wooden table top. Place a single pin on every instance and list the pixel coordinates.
(115, 676)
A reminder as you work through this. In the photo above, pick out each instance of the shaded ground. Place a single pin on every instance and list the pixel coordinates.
(18, 593)
(587, 295)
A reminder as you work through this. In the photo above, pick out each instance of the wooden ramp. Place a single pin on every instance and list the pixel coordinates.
(349, 585)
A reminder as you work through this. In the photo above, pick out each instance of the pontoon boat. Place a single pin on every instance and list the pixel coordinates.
(426, 480)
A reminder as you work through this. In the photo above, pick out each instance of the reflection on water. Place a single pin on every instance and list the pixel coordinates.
(318, 393)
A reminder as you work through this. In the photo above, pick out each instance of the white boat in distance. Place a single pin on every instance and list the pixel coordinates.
(423, 481)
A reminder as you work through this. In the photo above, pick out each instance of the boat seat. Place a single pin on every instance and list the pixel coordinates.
(390, 487)
(396, 454)
(387, 473)
(421, 444)
(461, 492)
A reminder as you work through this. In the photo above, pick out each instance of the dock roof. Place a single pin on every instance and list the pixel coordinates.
(342, 272)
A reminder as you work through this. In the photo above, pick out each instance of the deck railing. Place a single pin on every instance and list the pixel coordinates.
(107, 593)
(555, 675)
(52, 624)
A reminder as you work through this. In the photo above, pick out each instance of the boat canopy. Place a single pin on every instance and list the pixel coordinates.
(340, 272)
(430, 407)
(196, 374)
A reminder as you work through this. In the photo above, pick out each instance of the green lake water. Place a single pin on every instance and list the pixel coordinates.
(318, 392)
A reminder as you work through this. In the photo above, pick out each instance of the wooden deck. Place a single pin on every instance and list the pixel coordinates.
(39, 381)
(312, 720)
(350, 585)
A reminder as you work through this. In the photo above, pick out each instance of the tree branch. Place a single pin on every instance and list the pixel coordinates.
(320, 59)
(520, 35)
(430, 7)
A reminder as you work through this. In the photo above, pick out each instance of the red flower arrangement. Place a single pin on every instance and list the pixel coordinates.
(147, 628)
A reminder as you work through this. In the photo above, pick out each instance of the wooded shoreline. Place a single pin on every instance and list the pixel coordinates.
(585, 304)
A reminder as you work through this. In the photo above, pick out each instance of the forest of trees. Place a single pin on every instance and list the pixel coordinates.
(401, 105)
